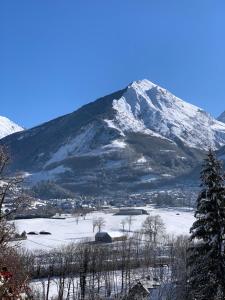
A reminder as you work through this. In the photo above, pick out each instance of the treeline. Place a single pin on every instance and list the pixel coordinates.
(86, 270)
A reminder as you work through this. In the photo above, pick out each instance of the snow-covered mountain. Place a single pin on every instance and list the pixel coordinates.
(221, 118)
(8, 127)
(148, 108)
(141, 136)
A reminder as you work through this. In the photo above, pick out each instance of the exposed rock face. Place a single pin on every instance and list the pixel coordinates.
(221, 118)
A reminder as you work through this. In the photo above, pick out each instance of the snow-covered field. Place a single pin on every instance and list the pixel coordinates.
(177, 221)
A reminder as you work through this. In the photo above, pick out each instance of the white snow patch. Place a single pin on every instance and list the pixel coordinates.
(111, 124)
(8, 127)
(118, 144)
(149, 178)
(142, 160)
(47, 174)
(79, 145)
(182, 157)
(166, 150)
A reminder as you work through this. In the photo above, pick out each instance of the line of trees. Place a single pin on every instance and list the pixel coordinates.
(89, 271)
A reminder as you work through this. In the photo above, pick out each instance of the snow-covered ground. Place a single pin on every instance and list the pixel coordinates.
(177, 221)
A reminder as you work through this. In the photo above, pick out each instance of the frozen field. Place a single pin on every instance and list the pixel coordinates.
(177, 221)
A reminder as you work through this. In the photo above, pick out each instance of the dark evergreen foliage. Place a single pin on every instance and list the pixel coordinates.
(207, 251)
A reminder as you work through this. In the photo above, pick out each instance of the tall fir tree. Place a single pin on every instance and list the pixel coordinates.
(206, 255)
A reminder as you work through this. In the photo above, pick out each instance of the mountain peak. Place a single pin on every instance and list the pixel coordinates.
(221, 118)
(148, 108)
(143, 84)
(8, 127)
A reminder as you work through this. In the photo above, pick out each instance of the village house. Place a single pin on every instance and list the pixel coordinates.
(105, 237)
(144, 290)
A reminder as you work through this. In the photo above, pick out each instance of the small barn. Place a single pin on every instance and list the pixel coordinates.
(103, 237)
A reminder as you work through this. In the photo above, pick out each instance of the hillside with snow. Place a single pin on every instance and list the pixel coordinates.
(134, 139)
(8, 127)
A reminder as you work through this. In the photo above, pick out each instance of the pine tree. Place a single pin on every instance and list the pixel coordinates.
(206, 260)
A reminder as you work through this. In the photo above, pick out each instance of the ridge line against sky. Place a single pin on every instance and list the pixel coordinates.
(93, 100)
(56, 56)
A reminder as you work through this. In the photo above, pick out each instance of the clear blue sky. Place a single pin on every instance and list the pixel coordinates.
(56, 55)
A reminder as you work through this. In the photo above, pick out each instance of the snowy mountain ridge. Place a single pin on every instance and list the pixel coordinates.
(148, 108)
(141, 136)
(8, 127)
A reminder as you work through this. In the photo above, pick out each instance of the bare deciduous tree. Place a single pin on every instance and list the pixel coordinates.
(10, 188)
(130, 221)
(94, 224)
(100, 223)
(153, 227)
(77, 216)
(123, 223)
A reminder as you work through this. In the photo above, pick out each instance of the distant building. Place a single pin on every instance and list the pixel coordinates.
(43, 232)
(103, 237)
(131, 212)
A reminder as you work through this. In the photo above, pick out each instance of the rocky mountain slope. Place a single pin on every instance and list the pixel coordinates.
(8, 127)
(138, 138)
(221, 118)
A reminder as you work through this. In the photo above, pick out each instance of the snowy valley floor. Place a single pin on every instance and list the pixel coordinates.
(177, 221)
